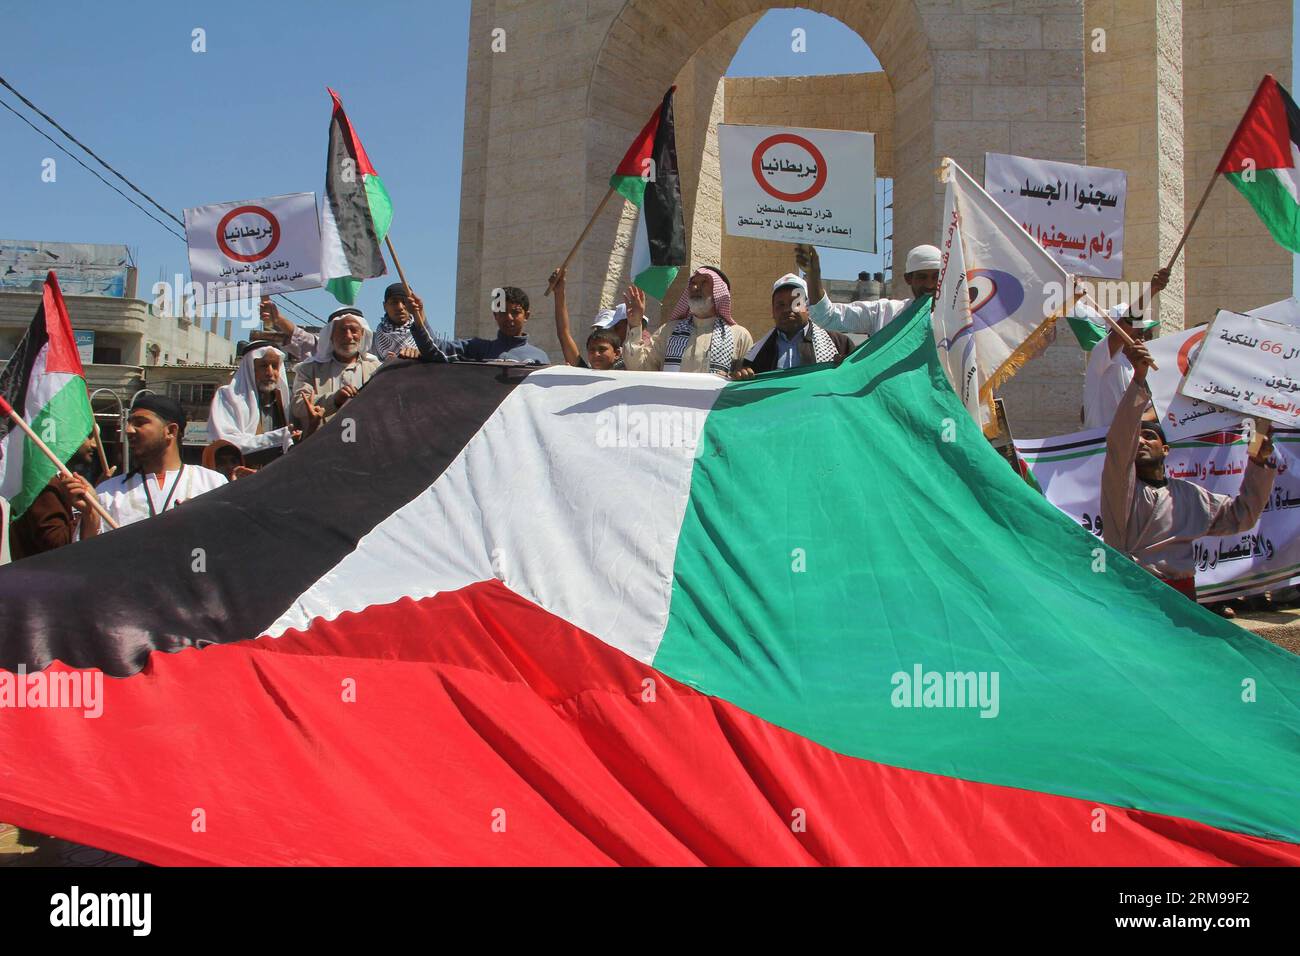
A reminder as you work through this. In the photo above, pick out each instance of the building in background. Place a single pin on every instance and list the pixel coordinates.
(126, 344)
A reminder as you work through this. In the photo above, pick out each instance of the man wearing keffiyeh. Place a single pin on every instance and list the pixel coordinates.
(699, 336)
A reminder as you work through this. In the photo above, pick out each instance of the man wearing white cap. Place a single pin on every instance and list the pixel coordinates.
(795, 339)
(341, 365)
(921, 276)
(1109, 371)
(252, 411)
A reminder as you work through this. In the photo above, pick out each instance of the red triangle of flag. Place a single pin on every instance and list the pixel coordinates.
(1263, 137)
(62, 344)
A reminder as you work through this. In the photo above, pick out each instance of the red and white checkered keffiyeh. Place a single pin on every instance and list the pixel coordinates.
(721, 298)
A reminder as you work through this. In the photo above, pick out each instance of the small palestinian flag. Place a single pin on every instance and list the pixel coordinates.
(672, 677)
(355, 215)
(647, 176)
(1089, 328)
(45, 384)
(1263, 161)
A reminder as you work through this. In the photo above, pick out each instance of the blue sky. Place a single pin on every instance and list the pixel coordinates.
(249, 117)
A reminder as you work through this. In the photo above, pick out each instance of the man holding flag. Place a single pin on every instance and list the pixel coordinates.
(1155, 519)
(1109, 371)
(51, 520)
(42, 387)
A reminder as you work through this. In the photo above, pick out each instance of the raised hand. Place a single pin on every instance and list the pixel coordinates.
(635, 299)
(271, 317)
(1140, 358)
(805, 257)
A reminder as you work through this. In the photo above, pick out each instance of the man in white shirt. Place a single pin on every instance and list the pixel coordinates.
(1109, 372)
(160, 480)
(921, 276)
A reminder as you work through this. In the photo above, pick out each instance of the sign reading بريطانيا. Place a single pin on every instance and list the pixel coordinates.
(799, 185)
(266, 246)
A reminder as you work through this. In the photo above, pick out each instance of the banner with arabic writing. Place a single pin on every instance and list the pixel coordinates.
(258, 246)
(799, 185)
(1250, 365)
(1074, 212)
(1266, 558)
(1174, 354)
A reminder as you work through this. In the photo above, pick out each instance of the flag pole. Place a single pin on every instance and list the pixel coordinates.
(99, 447)
(1114, 326)
(1255, 99)
(419, 312)
(590, 222)
(62, 468)
(1191, 222)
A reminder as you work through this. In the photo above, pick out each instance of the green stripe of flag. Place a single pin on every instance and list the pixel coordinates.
(632, 188)
(1111, 687)
(656, 280)
(63, 424)
(1274, 203)
(1086, 333)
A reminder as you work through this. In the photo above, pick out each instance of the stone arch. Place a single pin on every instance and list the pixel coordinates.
(653, 43)
(548, 116)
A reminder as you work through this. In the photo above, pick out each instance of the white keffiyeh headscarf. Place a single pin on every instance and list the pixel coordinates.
(236, 409)
(325, 343)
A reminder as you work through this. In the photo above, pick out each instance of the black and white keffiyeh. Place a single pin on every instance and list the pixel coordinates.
(722, 346)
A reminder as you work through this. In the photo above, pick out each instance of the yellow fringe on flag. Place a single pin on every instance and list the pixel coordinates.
(1032, 347)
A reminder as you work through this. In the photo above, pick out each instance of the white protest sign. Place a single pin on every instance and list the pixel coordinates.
(272, 244)
(1075, 212)
(1184, 417)
(1267, 557)
(1180, 416)
(1249, 365)
(799, 185)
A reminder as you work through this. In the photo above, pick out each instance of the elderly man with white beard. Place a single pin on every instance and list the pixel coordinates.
(252, 411)
(340, 367)
(699, 336)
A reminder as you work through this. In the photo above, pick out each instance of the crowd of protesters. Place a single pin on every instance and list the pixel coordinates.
(268, 406)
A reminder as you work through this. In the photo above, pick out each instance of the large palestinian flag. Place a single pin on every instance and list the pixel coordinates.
(1262, 159)
(356, 213)
(572, 617)
(659, 242)
(44, 382)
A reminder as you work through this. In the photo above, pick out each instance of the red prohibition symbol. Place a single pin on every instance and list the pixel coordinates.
(757, 166)
(239, 211)
(1185, 353)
